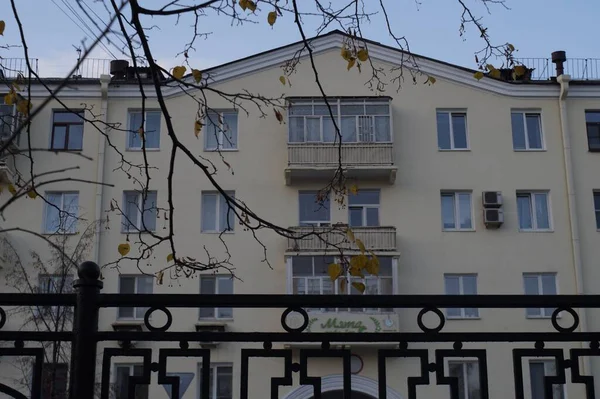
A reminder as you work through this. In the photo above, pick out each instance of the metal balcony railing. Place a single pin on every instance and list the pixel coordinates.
(327, 154)
(11, 67)
(335, 237)
(577, 68)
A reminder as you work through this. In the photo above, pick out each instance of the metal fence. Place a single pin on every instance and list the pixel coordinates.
(561, 339)
(11, 67)
(577, 68)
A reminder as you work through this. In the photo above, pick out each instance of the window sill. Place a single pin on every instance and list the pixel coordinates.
(221, 150)
(462, 318)
(56, 233)
(536, 231)
(213, 322)
(459, 230)
(65, 150)
(217, 232)
(138, 232)
(539, 317)
(454, 149)
(128, 321)
(530, 150)
(140, 150)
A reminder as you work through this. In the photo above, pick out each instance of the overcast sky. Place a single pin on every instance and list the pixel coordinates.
(535, 27)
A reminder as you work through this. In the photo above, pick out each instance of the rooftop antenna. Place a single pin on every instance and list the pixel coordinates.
(78, 50)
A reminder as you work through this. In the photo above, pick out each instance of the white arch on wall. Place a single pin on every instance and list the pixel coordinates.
(336, 382)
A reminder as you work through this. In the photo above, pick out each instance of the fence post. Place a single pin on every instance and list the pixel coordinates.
(85, 327)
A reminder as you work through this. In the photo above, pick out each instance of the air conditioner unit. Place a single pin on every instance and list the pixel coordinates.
(493, 217)
(491, 199)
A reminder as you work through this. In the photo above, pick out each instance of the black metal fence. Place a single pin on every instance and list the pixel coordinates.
(564, 329)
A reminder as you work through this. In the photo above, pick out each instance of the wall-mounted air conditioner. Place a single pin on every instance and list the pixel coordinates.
(491, 199)
(493, 217)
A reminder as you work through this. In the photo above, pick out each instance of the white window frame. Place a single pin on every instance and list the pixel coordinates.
(532, 205)
(74, 225)
(456, 194)
(220, 133)
(216, 278)
(461, 291)
(364, 208)
(131, 367)
(336, 104)
(525, 113)
(335, 284)
(214, 367)
(463, 363)
(546, 362)
(135, 291)
(139, 214)
(315, 223)
(543, 311)
(220, 229)
(44, 278)
(451, 112)
(131, 130)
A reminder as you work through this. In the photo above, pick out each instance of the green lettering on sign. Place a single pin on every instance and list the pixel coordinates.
(335, 325)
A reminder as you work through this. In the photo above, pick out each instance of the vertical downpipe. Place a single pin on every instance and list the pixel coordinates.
(104, 81)
(564, 80)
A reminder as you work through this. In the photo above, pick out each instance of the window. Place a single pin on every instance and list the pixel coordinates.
(221, 131)
(540, 284)
(61, 211)
(314, 209)
(150, 128)
(461, 284)
(134, 285)
(217, 214)
(364, 208)
(216, 285)
(6, 119)
(452, 130)
(533, 210)
(592, 122)
(309, 277)
(55, 283)
(359, 120)
(123, 372)
(134, 219)
(456, 210)
(468, 379)
(67, 131)
(526, 130)
(597, 208)
(220, 382)
(538, 370)
(54, 380)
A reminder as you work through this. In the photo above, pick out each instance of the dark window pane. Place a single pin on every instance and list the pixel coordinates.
(443, 130)
(302, 266)
(68, 117)
(518, 131)
(54, 381)
(534, 131)
(448, 211)
(356, 218)
(58, 140)
(312, 210)
(364, 197)
(536, 374)
(75, 137)
(592, 116)
(593, 133)
(459, 130)
(372, 216)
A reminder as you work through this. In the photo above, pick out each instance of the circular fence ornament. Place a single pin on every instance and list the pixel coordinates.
(560, 328)
(294, 320)
(162, 328)
(435, 329)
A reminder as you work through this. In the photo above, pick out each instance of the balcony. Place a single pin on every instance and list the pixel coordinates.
(334, 238)
(363, 125)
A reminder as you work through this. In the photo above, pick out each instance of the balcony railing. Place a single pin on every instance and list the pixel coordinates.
(333, 238)
(577, 68)
(361, 160)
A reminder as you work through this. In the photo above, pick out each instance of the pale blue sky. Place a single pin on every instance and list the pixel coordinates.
(535, 27)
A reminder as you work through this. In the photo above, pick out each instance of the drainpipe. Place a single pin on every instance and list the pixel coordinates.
(104, 81)
(564, 80)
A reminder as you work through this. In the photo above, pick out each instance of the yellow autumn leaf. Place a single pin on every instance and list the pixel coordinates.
(32, 194)
(354, 189)
(16, 86)
(197, 128)
(159, 277)
(170, 258)
(359, 287)
(495, 73)
(343, 284)
(478, 75)
(141, 131)
(431, 80)
(510, 47)
(350, 234)
(351, 63)
(346, 54)
(2, 26)
(282, 79)
(124, 248)
(355, 272)
(12, 189)
(271, 18)
(373, 265)
(9, 98)
(179, 71)
(520, 70)
(244, 4)
(359, 261)
(334, 270)
(23, 107)
(362, 54)
(197, 75)
(360, 245)
(251, 5)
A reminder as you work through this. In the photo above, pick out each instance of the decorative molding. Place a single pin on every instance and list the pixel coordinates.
(335, 383)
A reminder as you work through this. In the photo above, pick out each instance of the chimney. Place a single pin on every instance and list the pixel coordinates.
(559, 58)
(118, 68)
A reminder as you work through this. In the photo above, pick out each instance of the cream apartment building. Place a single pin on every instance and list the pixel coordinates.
(422, 158)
